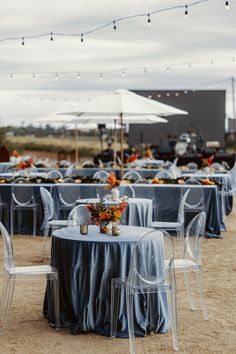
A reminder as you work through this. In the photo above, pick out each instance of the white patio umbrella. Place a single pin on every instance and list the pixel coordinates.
(122, 103)
(59, 117)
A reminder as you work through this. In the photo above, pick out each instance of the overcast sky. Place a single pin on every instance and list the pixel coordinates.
(170, 41)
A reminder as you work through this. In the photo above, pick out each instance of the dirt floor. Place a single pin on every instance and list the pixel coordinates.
(29, 332)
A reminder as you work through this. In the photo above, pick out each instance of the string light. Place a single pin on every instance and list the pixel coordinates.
(33, 76)
(11, 76)
(212, 62)
(101, 76)
(233, 59)
(22, 41)
(168, 69)
(145, 70)
(227, 7)
(123, 74)
(186, 12)
(78, 76)
(114, 22)
(189, 66)
(82, 38)
(56, 77)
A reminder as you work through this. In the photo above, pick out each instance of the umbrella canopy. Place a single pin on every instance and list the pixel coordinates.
(123, 103)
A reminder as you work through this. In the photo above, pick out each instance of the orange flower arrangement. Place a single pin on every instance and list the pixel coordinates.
(102, 214)
(25, 164)
(112, 181)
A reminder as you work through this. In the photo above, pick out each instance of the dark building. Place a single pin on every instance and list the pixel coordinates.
(206, 117)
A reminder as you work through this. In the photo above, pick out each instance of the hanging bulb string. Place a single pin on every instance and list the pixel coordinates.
(110, 23)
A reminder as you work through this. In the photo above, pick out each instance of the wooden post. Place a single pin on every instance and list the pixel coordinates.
(115, 141)
(122, 143)
(76, 144)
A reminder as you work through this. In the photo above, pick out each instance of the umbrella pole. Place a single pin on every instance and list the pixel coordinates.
(122, 143)
(115, 141)
(76, 144)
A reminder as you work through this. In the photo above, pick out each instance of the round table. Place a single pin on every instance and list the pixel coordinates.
(86, 266)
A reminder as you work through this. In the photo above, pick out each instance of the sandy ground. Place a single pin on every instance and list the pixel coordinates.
(29, 332)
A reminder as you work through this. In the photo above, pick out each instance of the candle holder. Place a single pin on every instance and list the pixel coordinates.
(115, 229)
(84, 229)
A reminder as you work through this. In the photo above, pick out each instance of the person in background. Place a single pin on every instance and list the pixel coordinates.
(148, 152)
(133, 156)
(108, 153)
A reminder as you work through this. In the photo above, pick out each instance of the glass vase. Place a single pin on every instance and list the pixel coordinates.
(115, 229)
(104, 228)
(115, 194)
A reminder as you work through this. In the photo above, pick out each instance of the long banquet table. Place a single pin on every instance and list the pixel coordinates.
(86, 265)
(165, 199)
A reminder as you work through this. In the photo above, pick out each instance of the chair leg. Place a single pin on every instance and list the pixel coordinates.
(115, 300)
(7, 301)
(200, 289)
(34, 221)
(12, 222)
(56, 303)
(174, 314)
(46, 231)
(130, 318)
(189, 292)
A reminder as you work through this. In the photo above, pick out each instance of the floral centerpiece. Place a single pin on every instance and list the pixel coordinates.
(113, 183)
(102, 215)
(22, 165)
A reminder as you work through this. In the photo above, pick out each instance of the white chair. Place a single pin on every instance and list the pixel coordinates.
(69, 171)
(132, 175)
(54, 174)
(195, 199)
(148, 275)
(127, 190)
(163, 174)
(67, 196)
(216, 166)
(177, 225)
(78, 215)
(49, 222)
(11, 273)
(101, 176)
(191, 261)
(192, 166)
(23, 200)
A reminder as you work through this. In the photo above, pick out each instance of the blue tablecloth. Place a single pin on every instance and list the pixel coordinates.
(165, 202)
(86, 265)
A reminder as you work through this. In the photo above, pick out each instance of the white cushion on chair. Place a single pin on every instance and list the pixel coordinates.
(30, 270)
(166, 224)
(181, 265)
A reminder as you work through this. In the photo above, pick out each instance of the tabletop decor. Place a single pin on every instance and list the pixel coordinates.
(22, 165)
(113, 183)
(102, 215)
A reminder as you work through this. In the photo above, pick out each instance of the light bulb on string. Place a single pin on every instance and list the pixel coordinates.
(186, 12)
(233, 59)
(145, 70)
(101, 76)
(11, 76)
(22, 41)
(114, 25)
(168, 69)
(123, 74)
(51, 37)
(56, 77)
(78, 76)
(227, 7)
(149, 20)
(82, 38)
(33, 76)
(189, 66)
(212, 62)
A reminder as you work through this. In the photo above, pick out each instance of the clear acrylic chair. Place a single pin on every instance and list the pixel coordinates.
(54, 174)
(216, 166)
(148, 275)
(132, 175)
(127, 190)
(67, 196)
(225, 165)
(141, 180)
(78, 215)
(11, 273)
(163, 174)
(177, 225)
(70, 170)
(49, 222)
(23, 200)
(191, 261)
(175, 171)
(195, 199)
(4, 211)
(192, 166)
(101, 176)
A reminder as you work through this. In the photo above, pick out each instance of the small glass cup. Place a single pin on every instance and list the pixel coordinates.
(115, 229)
(84, 229)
